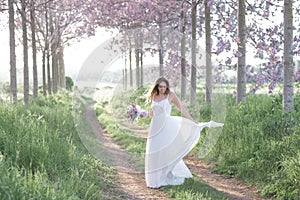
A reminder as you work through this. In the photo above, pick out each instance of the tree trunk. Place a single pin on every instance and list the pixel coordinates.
(47, 51)
(126, 78)
(54, 69)
(61, 69)
(194, 45)
(208, 62)
(34, 51)
(183, 60)
(130, 67)
(137, 62)
(141, 61)
(161, 52)
(241, 71)
(288, 64)
(49, 72)
(25, 52)
(54, 57)
(123, 78)
(12, 49)
(44, 72)
(125, 71)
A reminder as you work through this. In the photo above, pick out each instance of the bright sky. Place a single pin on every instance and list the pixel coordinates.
(4, 51)
(77, 53)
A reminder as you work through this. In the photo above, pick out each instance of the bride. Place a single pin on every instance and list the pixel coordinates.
(170, 138)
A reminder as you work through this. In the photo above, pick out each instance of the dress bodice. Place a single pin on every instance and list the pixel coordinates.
(162, 107)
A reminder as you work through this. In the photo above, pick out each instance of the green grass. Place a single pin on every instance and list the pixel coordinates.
(193, 188)
(42, 157)
(260, 146)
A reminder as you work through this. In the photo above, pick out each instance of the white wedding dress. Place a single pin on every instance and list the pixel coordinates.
(170, 138)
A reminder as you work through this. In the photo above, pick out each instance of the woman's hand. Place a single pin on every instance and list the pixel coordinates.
(150, 114)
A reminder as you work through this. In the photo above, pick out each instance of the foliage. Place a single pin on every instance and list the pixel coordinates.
(41, 155)
(260, 145)
(69, 83)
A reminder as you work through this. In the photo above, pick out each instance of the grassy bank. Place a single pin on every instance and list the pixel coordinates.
(260, 146)
(42, 157)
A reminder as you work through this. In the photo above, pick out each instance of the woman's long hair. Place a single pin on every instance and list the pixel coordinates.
(154, 89)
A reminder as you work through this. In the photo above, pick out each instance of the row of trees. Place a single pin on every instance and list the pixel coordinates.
(228, 26)
(231, 27)
(47, 26)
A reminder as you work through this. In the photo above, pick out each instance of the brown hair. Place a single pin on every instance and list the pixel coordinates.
(154, 89)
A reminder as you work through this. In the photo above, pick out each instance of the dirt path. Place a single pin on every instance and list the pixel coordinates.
(131, 185)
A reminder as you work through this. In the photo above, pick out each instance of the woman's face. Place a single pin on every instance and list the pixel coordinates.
(162, 87)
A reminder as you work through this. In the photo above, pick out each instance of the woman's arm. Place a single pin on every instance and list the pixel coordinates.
(174, 99)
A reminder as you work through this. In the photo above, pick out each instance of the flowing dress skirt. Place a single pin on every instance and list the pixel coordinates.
(170, 138)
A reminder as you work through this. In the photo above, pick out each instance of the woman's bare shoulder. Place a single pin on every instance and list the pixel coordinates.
(172, 96)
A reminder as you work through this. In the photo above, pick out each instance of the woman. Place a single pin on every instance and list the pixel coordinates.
(170, 138)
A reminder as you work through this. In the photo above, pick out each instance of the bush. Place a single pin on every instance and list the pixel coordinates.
(69, 83)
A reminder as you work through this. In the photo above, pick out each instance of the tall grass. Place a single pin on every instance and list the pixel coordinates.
(41, 156)
(260, 145)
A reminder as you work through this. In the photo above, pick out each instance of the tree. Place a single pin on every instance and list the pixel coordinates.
(288, 88)
(183, 53)
(34, 50)
(13, 72)
(208, 46)
(194, 45)
(25, 52)
(241, 72)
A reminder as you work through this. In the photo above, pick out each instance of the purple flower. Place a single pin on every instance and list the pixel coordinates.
(134, 112)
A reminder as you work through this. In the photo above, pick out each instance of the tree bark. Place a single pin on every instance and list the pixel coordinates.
(44, 72)
(34, 50)
(25, 52)
(54, 69)
(47, 52)
(130, 66)
(125, 71)
(137, 72)
(61, 69)
(288, 64)
(241, 71)
(141, 61)
(161, 52)
(137, 60)
(194, 45)
(183, 59)
(12, 49)
(54, 57)
(208, 62)
(49, 72)
(61, 66)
